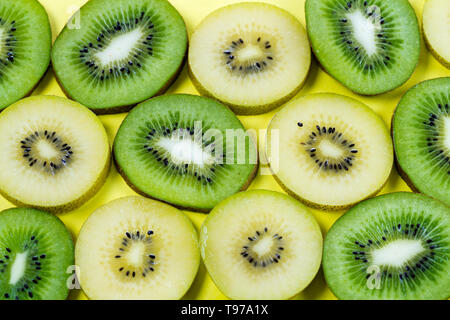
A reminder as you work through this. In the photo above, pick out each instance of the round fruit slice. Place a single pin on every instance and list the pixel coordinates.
(261, 245)
(329, 151)
(36, 251)
(370, 46)
(120, 52)
(436, 26)
(55, 153)
(421, 131)
(395, 246)
(251, 56)
(137, 248)
(25, 44)
(187, 150)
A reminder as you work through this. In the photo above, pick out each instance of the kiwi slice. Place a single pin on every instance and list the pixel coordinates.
(25, 44)
(124, 52)
(332, 151)
(55, 153)
(421, 131)
(36, 250)
(261, 244)
(187, 150)
(395, 246)
(436, 26)
(251, 56)
(370, 46)
(137, 248)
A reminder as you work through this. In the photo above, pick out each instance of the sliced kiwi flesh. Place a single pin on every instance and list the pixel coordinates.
(436, 24)
(36, 251)
(137, 248)
(186, 150)
(122, 53)
(421, 132)
(394, 246)
(251, 56)
(329, 151)
(25, 44)
(55, 153)
(370, 46)
(261, 244)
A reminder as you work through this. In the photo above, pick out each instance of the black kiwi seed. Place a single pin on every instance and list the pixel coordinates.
(31, 155)
(248, 254)
(331, 134)
(128, 66)
(128, 241)
(433, 125)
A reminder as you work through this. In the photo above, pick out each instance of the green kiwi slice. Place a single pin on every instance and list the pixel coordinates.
(25, 44)
(36, 250)
(137, 248)
(55, 153)
(421, 131)
(395, 246)
(370, 46)
(121, 53)
(261, 244)
(187, 150)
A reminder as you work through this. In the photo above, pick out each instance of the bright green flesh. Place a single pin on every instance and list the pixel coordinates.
(25, 44)
(150, 168)
(155, 55)
(29, 240)
(421, 130)
(382, 64)
(401, 218)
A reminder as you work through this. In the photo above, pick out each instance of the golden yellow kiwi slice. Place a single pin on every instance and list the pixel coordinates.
(436, 29)
(261, 244)
(137, 248)
(329, 151)
(55, 153)
(251, 56)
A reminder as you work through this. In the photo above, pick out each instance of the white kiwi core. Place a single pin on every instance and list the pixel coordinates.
(186, 151)
(120, 47)
(18, 268)
(397, 253)
(447, 133)
(364, 30)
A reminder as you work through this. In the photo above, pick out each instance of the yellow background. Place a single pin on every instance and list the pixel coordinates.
(193, 12)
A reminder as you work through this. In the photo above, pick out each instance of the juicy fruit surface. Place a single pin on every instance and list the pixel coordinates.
(436, 29)
(55, 153)
(36, 250)
(25, 42)
(137, 248)
(251, 56)
(329, 151)
(123, 53)
(421, 131)
(395, 246)
(261, 244)
(370, 46)
(180, 149)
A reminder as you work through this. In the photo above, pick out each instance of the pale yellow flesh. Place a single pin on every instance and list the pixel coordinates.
(299, 173)
(436, 27)
(174, 243)
(77, 126)
(225, 232)
(289, 47)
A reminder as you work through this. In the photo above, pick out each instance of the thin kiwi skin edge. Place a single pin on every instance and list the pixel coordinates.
(444, 62)
(75, 204)
(202, 210)
(243, 110)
